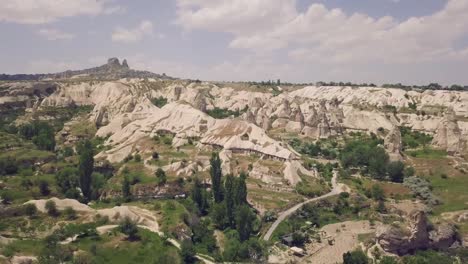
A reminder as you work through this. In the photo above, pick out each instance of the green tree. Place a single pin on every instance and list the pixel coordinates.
(199, 196)
(216, 175)
(377, 192)
(86, 166)
(67, 178)
(30, 210)
(396, 171)
(218, 215)
(51, 208)
(229, 199)
(44, 188)
(161, 176)
(126, 192)
(388, 260)
(244, 222)
(355, 257)
(187, 251)
(70, 213)
(240, 189)
(129, 228)
(53, 252)
(378, 163)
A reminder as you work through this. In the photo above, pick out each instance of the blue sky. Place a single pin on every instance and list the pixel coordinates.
(409, 41)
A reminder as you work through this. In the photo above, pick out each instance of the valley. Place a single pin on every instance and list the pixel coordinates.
(113, 165)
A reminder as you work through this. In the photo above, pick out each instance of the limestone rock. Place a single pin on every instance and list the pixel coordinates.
(125, 64)
(448, 134)
(403, 238)
(393, 145)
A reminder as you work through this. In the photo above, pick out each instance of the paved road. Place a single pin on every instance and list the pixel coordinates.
(336, 190)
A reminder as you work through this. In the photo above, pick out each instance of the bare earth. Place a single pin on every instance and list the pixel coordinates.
(345, 237)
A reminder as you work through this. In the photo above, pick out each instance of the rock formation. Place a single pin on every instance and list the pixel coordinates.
(112, 70)
(393, 145)
(403, 238)
(448, 134)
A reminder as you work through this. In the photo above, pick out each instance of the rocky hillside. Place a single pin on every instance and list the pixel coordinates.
(110, 71)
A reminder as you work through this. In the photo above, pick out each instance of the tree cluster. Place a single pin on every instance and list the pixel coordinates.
(41, 134)
(371, 158)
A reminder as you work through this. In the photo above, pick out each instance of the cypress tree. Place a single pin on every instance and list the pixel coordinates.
(216, 174)
(200, 196)
(229, 199)
(126, 193)
(244, 222)
(86, 166)
(240, 190)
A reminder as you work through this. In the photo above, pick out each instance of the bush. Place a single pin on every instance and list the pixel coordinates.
(51, 208)
(221, 113)
(187, 251)
(6, 197)
(377, 192)
(70, 213)
(355, 257)
(129, 228)
(30, 210)
(44, 188)
(396, 171)
(161, 176)
(137, 157)
(41, 134)
(155, 155)
(159, 101)
(421, 188)
(8, 166)
(67, 179)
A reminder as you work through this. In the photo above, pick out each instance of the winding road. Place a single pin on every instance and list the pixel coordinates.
(337, 189)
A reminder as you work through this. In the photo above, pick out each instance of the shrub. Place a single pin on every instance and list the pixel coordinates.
(155, 155)
(30, 209)
(421, 188)
(137, 157)
(6, 197)
(129, 228)
(51, 208)
(161, 176)
(70, 213)
(355, 257)
(187, 251)
(8, 166)
(44, 188)
(159, 101)
(396, 171)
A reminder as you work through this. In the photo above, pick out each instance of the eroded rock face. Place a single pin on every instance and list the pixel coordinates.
(393, 145)
(403, 238)
(448, 134)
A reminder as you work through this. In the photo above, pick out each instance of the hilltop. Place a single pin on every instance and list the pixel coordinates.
(112, 70)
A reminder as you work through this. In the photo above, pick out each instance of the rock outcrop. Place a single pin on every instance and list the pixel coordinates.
(393, 145)
(112, 70)
(448, 134)
(403, 238)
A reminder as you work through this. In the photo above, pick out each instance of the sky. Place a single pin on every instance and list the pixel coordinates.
(379, 41)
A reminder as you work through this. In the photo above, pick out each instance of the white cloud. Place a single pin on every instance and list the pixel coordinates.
(145, 28)
(330, 35)
(46, 11)
(234, 16)
(55, 34)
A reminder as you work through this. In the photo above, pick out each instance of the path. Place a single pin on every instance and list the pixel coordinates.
(337, 189)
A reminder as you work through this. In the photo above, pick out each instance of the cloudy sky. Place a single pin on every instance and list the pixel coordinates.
(409, 41)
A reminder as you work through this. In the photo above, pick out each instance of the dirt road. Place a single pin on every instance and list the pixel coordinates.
(337, 189)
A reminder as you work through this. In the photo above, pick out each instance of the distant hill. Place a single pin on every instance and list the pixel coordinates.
(113, 69)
